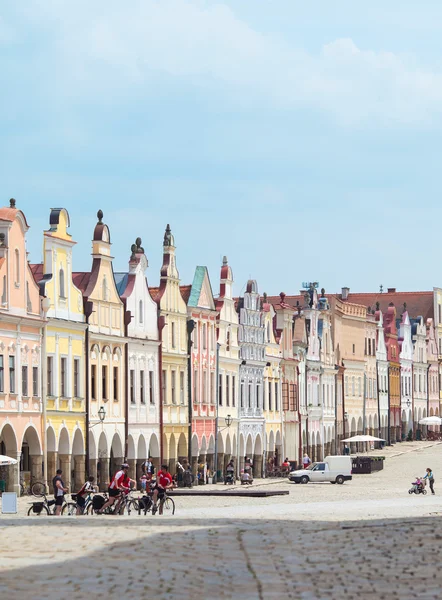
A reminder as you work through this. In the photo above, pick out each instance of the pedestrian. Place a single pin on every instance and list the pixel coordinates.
(59, 491)
(346, 450)
(85, 489)
(248, 466)
(306, 461)
(148, 468)
(429, 476)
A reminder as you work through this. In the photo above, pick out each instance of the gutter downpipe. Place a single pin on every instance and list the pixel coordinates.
(127, 320)
(190, 328)
(161, 325)
(88, 307)
(389, 408)
(44, 386)
(378, 399)
(217, 411)
(336, 413)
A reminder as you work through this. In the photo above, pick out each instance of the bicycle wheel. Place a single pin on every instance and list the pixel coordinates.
(133, 506)
(69, 509)
(38, 489)
(168, 506)
(90, 509)
(22, 489)
(44, 511)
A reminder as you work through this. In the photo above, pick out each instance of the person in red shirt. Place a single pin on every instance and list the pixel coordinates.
(164, 482)
(120, 483)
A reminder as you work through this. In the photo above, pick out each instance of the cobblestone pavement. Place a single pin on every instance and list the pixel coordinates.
(323, 541)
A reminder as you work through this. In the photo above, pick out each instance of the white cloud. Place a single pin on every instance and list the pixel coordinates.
(106, 49)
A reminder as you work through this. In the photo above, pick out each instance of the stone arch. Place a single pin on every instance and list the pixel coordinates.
(64, 445)
(78, 443)
(9, 440)
(130, 448)
(165, 456)
(249, 446)
(141, 448)
(258, 445)
(93, 454)
(228, 445)
(195, 445)
(242, 451)
(51, 440)
(436, 411)
(353, 427)
(318, 446)
(370, 423)
(220, 448)
(172, 448)
(424, 413)
(360, 426)
(117, 446)
(154, 446)
(32, 439)
(431, 412)
(271, 446)
(182, 446)
(211, 446)
(203, 447)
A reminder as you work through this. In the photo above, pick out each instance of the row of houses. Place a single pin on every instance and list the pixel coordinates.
(98, 367)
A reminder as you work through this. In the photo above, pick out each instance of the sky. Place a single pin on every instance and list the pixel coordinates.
(299, 139)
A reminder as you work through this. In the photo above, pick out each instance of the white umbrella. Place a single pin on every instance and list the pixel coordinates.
(363, 438)
(430, 421)
(7, 460)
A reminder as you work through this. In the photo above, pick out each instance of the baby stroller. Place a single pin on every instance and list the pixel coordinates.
(418, 487)
(229, 478)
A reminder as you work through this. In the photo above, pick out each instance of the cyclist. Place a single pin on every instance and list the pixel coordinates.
(120, 483)
(86, 488)
(164, 482)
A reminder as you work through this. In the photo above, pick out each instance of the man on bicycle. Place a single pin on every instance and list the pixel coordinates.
(164, 482)
(85, 489)
(120, 483)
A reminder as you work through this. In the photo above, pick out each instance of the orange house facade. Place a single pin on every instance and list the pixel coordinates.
(22, 327)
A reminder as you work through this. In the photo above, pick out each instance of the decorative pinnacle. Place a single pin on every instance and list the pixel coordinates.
(167, 236)
(225, 263)
(378, 305)
(100, 216)
(12, 202)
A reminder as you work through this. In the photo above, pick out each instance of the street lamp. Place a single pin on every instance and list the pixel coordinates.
(228, 420)
(101, 416)
(408, 403)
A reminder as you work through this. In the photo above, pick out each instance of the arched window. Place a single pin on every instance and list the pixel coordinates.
(17, 267)
(61, 289)
(140, 312)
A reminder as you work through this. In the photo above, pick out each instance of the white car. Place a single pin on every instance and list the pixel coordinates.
(334, 469)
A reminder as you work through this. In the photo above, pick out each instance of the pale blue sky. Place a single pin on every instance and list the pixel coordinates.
(302, 139)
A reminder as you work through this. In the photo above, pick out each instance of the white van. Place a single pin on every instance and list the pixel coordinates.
(335, 469)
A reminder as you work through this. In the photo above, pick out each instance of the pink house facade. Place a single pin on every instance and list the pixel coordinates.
(21, 407)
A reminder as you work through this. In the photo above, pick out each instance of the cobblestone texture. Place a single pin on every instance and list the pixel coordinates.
(355, 541)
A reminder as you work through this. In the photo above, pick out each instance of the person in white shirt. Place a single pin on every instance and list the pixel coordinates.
(306, 461)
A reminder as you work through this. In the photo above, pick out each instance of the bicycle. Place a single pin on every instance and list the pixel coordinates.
(37, 489)
(165, 503)
(47, 507)
(123, 503)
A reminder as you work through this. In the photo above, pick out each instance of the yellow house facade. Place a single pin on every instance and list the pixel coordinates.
(65, 428)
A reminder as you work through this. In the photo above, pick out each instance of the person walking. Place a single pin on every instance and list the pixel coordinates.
(430, 477)
(59, 491)
(306, 461)
(346, 450)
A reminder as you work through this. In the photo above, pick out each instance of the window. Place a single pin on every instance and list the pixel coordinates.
(2, 373)
(195, 386)
(353, 389)
(346, 386)
(164, 385)
(213, 388)
(63, 377)
(132, 386)
(24, 380)
(61, 283)
(17, 268)
(28, 298)
(204, 394)
(5, 292)
(227, 390)
(181, 387)
(12, 374)
(142, 395)
(276, 396)
(250, 395)
(354, 349)
(241, 394)
(270, 396)
(420, 379)
(220, 390)
(104, 382)
(359, 386)
(258, 386)
(76, 377)
(140, 312)
(439, 307)
(173, 335)
(173, 386)
(35, 382)
(233, 390)
(369, 347)
(195, 336)
(151, 389)
(115, 384)
(93, 381)
(204, 336)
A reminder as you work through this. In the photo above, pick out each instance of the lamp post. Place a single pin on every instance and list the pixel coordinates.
(45, 305)
(101, 417)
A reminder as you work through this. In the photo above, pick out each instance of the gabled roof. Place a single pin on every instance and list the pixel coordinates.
(154, 292)
(121, 280)
(185, 292)
(37, 271)
(201, 274)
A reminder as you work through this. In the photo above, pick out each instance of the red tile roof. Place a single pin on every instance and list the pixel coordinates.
(81, 280)
(419, 304)
(153, 292)
(37, 271)
(185, 292)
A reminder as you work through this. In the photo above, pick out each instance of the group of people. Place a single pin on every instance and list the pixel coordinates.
(421, 481)
(120, 484)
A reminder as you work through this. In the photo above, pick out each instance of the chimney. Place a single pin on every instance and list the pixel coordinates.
(345, 293)
(391, 290)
